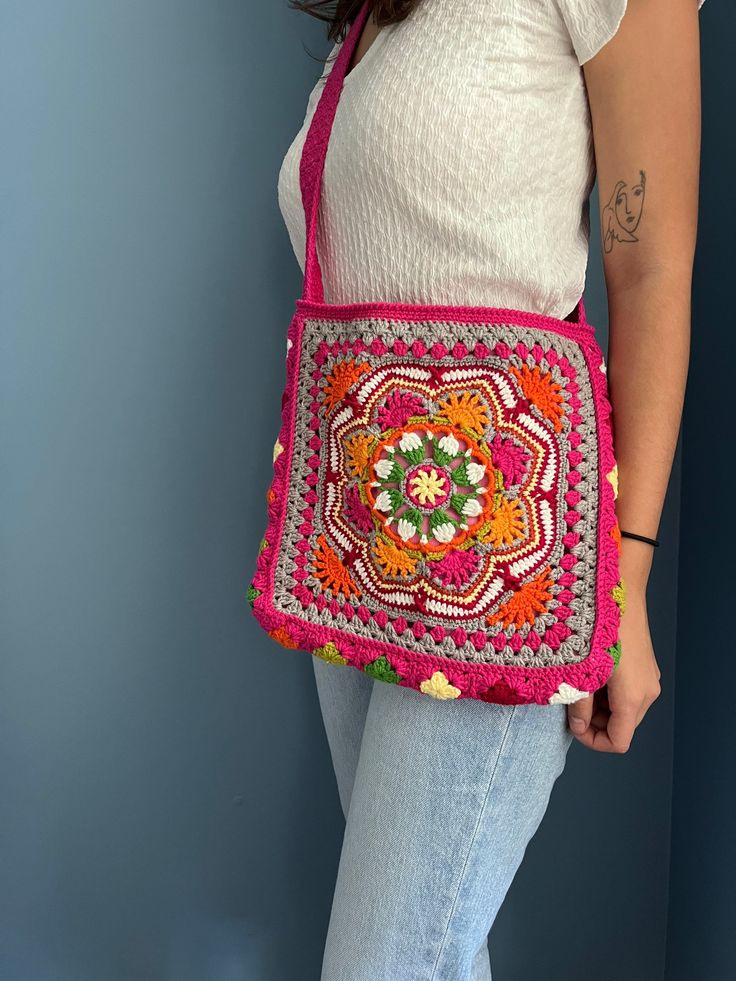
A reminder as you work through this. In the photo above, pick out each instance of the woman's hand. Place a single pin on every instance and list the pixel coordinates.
(606, 720)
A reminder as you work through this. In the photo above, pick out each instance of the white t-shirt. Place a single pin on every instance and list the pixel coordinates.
(461, 158)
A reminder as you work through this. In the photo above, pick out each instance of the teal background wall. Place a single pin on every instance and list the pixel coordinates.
(701, 938)
(168, 806)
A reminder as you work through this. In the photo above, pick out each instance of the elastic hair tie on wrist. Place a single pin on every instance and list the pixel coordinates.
(640, 538)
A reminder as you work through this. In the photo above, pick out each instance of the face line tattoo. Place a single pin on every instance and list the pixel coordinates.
(622, 215)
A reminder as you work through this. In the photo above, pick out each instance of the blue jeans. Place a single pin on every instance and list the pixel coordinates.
(441, 799)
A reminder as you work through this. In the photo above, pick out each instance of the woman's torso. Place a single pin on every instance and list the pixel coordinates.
(459, 165)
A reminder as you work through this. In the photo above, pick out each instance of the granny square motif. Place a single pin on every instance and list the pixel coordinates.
(436, 506)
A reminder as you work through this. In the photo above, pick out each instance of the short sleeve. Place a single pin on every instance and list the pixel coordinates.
(592, 23)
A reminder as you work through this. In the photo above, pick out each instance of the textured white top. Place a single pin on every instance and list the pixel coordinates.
(461, 158)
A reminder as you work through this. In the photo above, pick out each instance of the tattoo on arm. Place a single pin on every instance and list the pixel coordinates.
(621, 216)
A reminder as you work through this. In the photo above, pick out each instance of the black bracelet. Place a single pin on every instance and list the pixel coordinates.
(640, 538)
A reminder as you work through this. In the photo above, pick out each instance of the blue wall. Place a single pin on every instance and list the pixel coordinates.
(168, 806)
(162, 815)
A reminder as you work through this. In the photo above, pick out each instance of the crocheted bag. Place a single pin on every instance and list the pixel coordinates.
(441, 514)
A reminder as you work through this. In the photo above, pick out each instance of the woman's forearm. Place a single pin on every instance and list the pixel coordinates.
(647, 370)
(644, 94)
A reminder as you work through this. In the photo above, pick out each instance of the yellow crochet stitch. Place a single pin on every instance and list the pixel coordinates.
(439, 687)
(329, 652)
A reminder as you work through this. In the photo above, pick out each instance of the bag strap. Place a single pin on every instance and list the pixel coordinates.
(314, 153)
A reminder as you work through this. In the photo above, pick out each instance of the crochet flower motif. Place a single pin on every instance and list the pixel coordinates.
(330, 571)
(507, 524)
(341, 379)
(503, 693)
(619, 595)
(329, 652)
(392, 560)
(616, 535)
(510, 458)
(431, 486)
(428, 485)
(282, 636)
(566, 694)
(456, 568)
(398, 408)
(466, 411)
(438, 686)
(526, 603)
(542, 391)
(359, 450)
(612, 478)
(357, 513)
(381, 670)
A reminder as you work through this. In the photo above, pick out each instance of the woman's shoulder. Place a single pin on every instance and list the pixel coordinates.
(592, 23)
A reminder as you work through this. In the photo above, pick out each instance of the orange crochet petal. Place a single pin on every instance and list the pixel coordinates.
(467, 411)
(360, 450)
(392, 560)
(341, 379)
(527, 602)
(616, 536)
(506, 524)
(330, 571)
(541, 390)
(282, 635)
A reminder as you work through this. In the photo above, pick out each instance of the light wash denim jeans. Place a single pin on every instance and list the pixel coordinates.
(441, 799)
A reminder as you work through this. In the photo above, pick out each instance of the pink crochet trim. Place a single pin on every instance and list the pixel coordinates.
(577, 330)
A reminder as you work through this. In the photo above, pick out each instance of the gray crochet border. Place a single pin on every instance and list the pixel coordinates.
(572, 650)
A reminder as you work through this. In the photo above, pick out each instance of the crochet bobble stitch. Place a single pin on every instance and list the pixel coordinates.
(442, 515)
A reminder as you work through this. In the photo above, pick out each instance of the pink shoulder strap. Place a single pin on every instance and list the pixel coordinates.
(313, 157)
(315, 150)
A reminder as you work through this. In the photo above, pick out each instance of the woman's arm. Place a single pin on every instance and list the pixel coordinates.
(644, 93)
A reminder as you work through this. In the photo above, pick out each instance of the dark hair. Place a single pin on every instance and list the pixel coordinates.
(340, 14)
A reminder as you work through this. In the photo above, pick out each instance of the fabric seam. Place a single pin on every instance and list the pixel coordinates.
(504, 740)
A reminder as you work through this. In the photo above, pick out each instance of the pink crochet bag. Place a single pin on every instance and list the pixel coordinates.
(441, 514)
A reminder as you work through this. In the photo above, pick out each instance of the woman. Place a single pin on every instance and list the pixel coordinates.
(464, 150)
